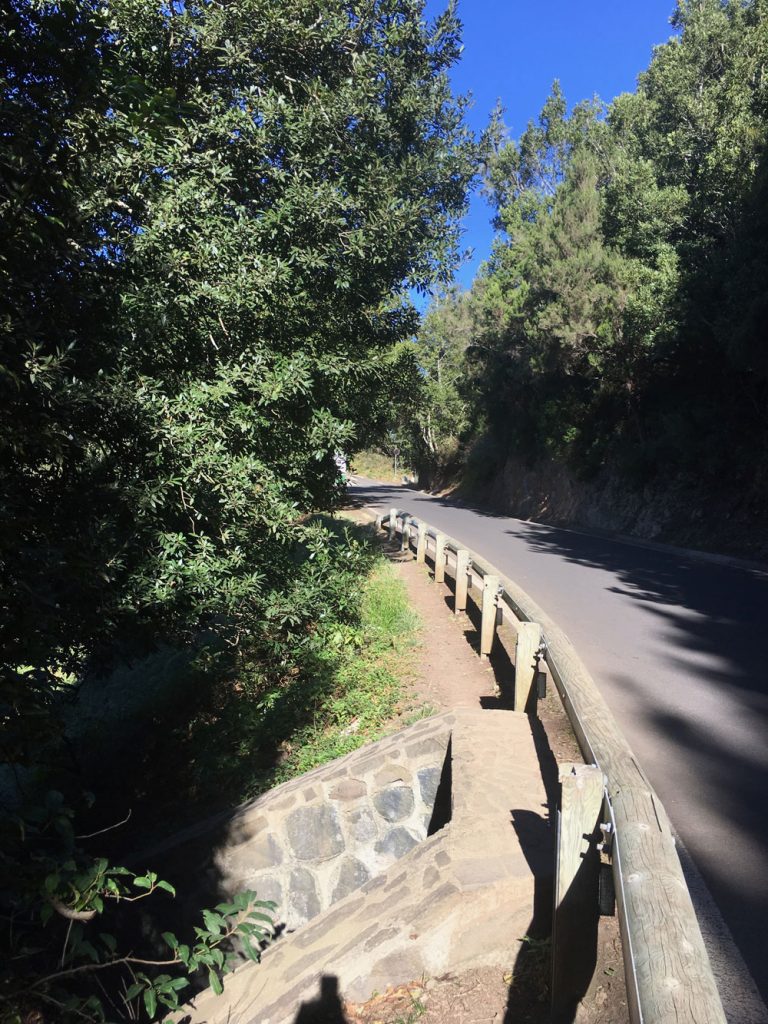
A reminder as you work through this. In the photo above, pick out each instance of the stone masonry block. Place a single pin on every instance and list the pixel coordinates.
(267, 887)
(429, 780)
(392, 773)
(396, 843)
(247, 827)
(245, 858)
(314, 833)
(429, 746)
(352, 875)
(430, 877)
(303, 898)
(347, 790)
(395, 803)
(361, 824)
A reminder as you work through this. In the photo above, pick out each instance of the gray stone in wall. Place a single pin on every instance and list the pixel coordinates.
(303, 900)
(352, 875)
(256, 855)
(394, 803)
(361, 825)
(397, 842)
(429, 780)
(269, 888)
(314, 833)
(248, 827)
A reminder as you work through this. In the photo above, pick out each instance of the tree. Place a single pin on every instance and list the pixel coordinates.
(441, 411)
(211, 211)
(219, 203)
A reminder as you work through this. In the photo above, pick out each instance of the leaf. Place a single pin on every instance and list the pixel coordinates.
(167, 886)
(150, 1001)
(215, 982)
(214, 922)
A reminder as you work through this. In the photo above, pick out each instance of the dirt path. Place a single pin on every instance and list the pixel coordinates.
(450, 674)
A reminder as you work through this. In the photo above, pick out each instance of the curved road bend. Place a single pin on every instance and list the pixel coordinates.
(678, 647)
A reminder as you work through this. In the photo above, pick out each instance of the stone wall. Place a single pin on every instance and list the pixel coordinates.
(310, 842)
(462, 898)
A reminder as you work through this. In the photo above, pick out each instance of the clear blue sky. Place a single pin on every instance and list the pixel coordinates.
(514, 49)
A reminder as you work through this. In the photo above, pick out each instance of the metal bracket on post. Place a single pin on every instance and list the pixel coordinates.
(488, 621)
(462, 571)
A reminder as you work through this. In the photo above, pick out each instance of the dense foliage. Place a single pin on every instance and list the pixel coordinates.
(210, 213)
(620, 322)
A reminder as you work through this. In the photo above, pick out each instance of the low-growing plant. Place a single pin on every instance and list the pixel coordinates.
(64, 953)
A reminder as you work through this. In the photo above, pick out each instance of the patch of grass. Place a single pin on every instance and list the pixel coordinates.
(386, 612)
(416, 1012)
(370, 677)
(378, 466)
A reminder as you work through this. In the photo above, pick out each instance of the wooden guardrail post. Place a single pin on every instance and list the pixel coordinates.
(488, 620)
(379, 521)
(405, 537)
(421, 543)
(460, 594)
(575, 894)
(528, 640)
(392, 524)
(440, 558)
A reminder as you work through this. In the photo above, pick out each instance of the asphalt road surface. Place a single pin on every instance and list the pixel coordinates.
(678, 647)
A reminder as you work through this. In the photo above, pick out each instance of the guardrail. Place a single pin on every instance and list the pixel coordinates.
(668, 975)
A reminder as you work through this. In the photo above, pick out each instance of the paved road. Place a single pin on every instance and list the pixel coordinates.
(677, 646)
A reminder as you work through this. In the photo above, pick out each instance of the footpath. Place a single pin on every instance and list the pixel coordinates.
(414, 876)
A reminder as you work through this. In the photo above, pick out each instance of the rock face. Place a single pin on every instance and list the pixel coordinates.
(319, 838)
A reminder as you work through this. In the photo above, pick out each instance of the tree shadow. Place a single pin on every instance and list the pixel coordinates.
(707, 695)
(686, 678)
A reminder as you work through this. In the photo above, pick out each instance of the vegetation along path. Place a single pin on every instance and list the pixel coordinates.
(676, 646)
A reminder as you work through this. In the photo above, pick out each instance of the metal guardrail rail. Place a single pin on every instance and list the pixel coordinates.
(668, 974)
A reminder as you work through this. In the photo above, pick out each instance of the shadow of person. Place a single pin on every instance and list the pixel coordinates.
(327, 1008)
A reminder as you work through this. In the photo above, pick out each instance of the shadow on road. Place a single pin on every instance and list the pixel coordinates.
(706, 692)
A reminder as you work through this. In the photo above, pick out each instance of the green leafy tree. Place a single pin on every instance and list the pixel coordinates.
(442, 413)
(210, 213)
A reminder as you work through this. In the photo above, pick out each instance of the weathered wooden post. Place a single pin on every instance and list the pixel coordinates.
(528, 640)
(440, 558)
(575, 896)
(379, 520)
(462, 568)
(488, 621)
(405, 538)
(392, 524)
(421, 543)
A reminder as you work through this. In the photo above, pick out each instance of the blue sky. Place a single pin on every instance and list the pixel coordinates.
(514, 49)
